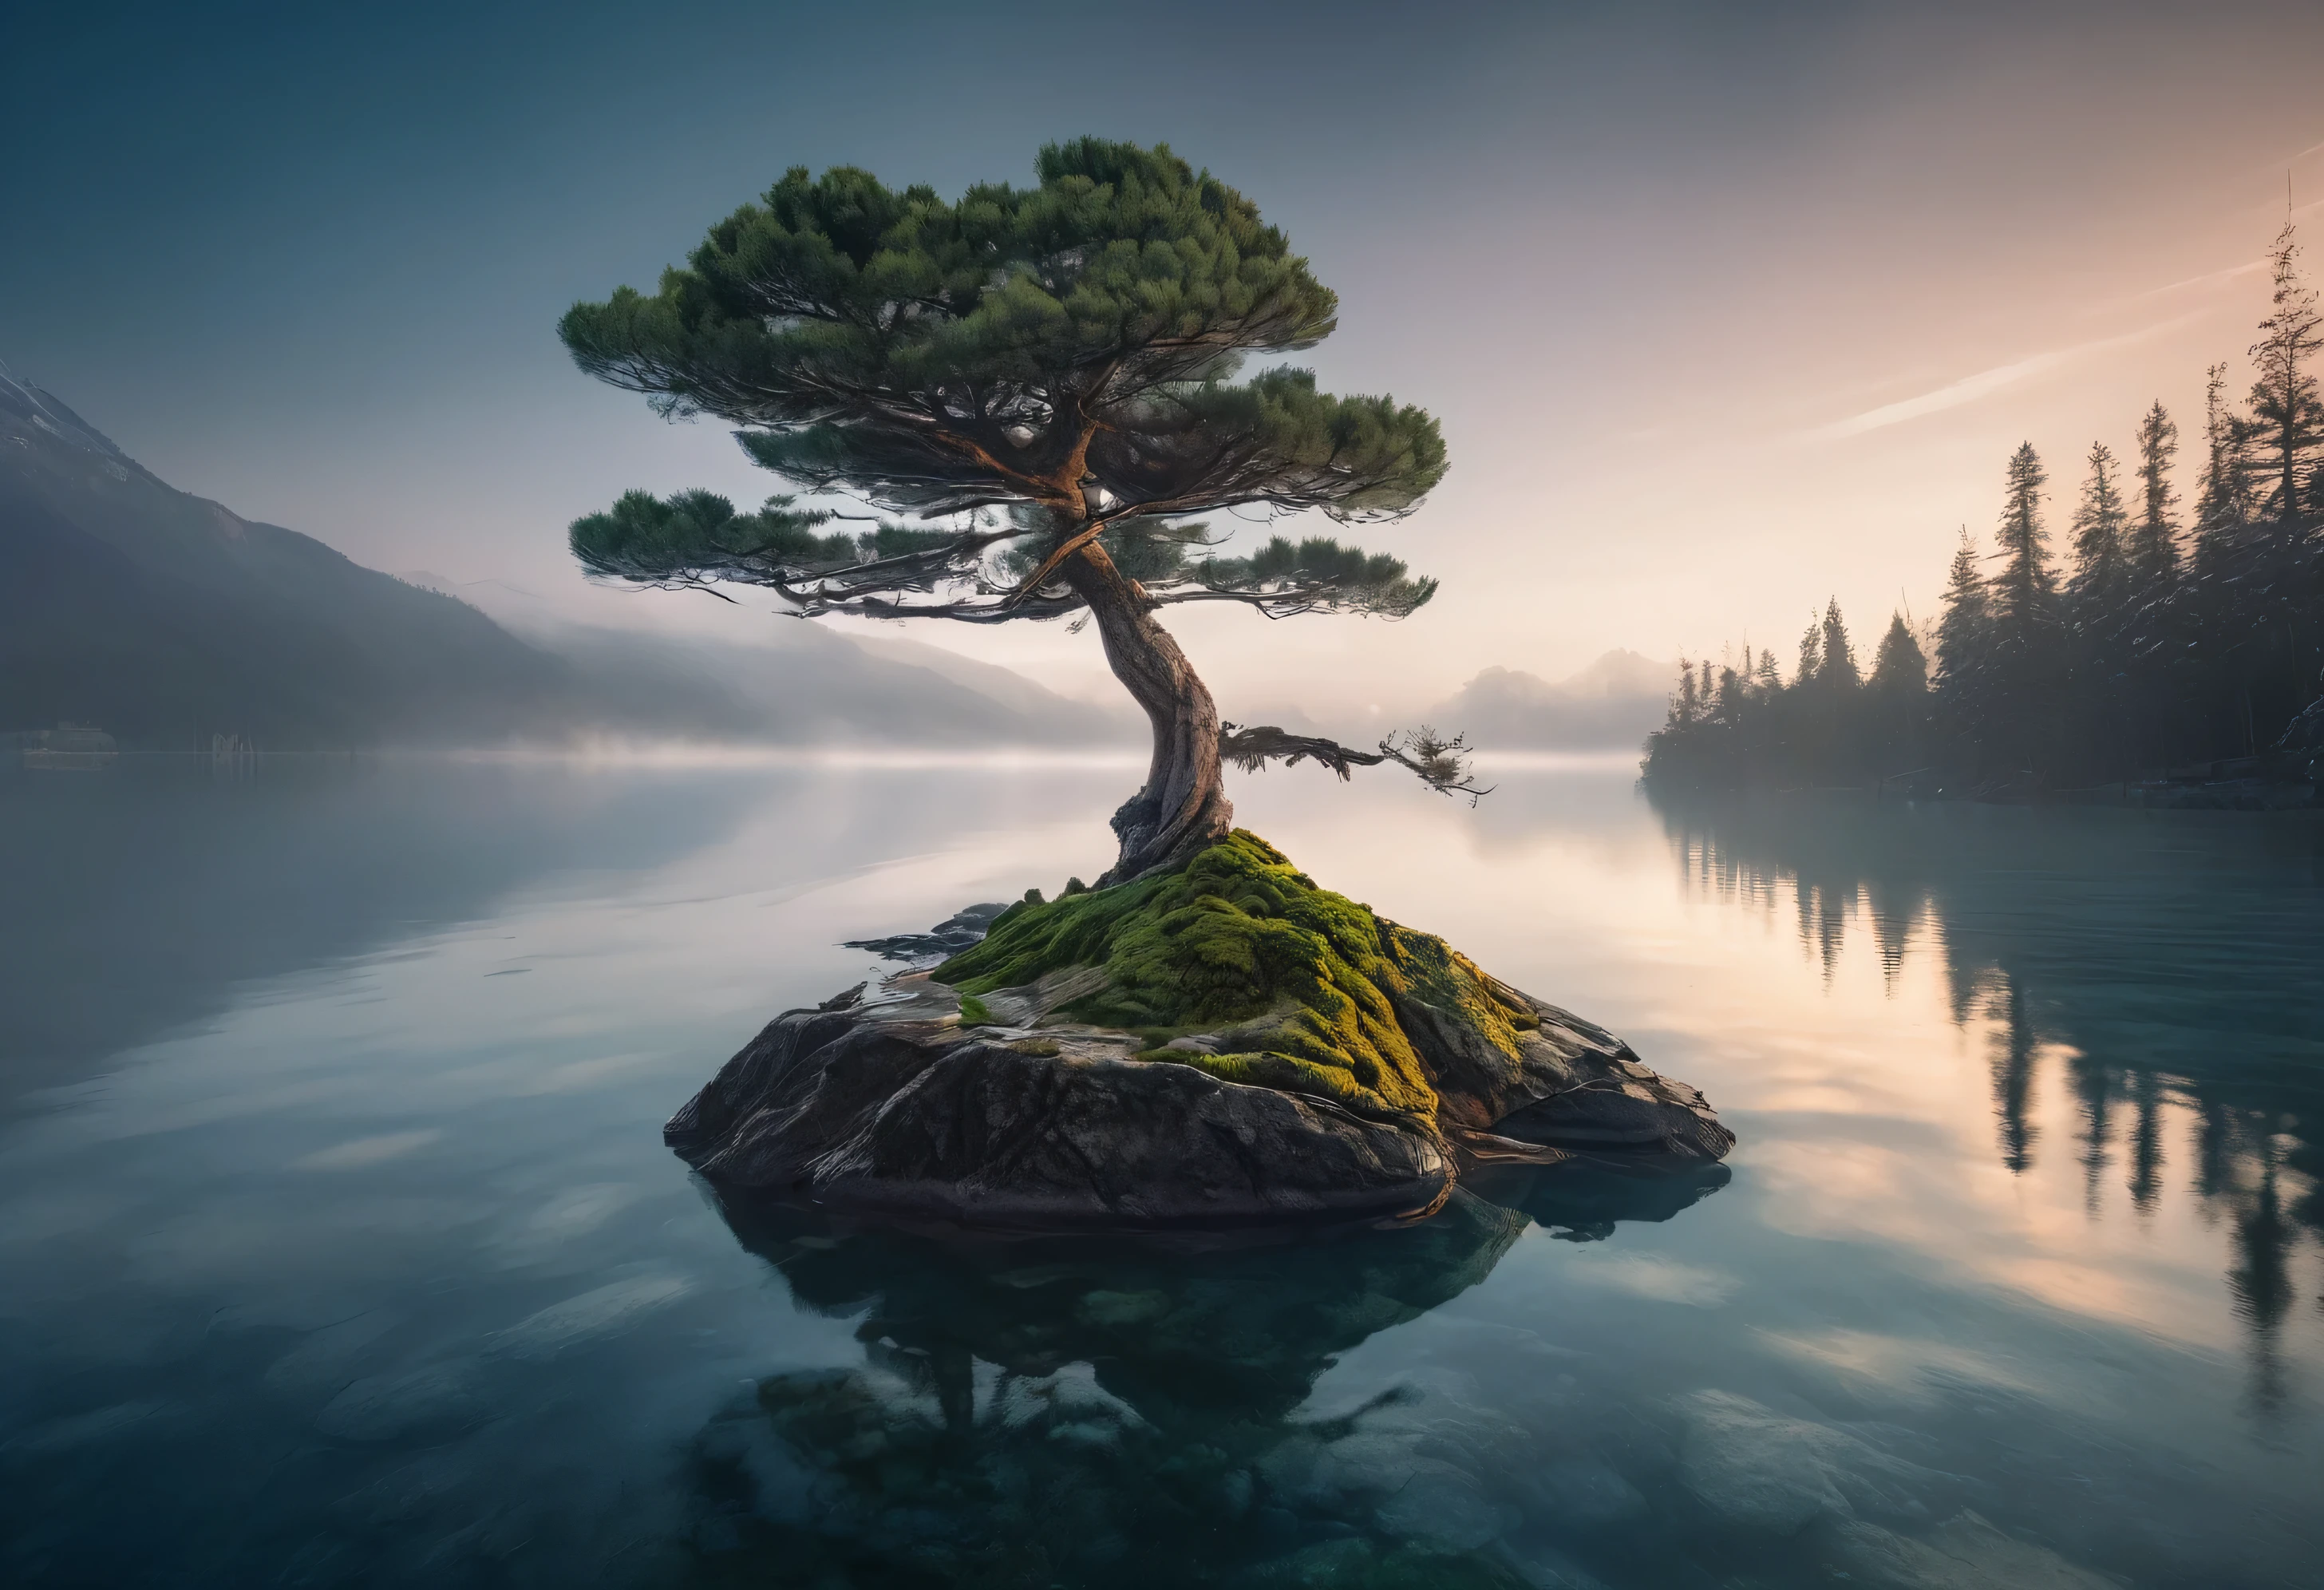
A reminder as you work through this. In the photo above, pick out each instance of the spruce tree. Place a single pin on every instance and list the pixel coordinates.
(2101, 581)
(2284, 439)
(2025, 656)
(1046, 378)
(2219, 614)
(2153, 627)
(1811, 654)
(2223, 504)
(2097, 599)
(2287, 416)
(2155, 542)
(1899, 688)
(1964, 644)
(1837, 670)
(2025, 590)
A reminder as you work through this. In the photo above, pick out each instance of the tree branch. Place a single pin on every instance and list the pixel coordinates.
(1441, 764)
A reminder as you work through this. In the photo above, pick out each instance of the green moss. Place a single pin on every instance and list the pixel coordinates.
(1239, 935)
(973, 1012)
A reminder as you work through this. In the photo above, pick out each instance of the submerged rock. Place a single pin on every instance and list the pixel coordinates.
(1223, 1044)
(961, 931)
(1755, 1468)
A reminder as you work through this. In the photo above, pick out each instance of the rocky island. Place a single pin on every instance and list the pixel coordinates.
(1216, 1044)
(1042, 384)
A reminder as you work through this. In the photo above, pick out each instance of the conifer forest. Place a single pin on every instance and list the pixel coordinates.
(2162, 636)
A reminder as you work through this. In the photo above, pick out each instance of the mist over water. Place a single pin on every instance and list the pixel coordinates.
(338, 1246)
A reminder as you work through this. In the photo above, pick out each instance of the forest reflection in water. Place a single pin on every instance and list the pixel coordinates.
(2166, 969)
(338, 1244)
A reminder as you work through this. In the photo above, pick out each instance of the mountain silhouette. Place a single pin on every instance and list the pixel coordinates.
(168, 620)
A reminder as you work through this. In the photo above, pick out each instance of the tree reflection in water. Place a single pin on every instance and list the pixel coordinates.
(1122, 1412)
(2164, 960)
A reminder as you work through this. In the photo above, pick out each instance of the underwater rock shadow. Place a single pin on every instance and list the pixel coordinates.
(1077, 1410)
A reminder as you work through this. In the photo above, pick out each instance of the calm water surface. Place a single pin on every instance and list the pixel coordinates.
(338, 1247)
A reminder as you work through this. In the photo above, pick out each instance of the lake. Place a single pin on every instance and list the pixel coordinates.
(338, 1244)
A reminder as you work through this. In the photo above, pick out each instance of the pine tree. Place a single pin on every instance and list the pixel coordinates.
(2025, 593)
(2223, 502)
(2283, 573)
(2101, 580)
(2287, 416)
(2223, 515)
(1965, 644)
(2154, 543)
(2026, 660)
(1899, 668)
(1049, 373)
(1811, 654)
(2097, 599)
(1836, 671)
(2154, 627)
(1899, 688)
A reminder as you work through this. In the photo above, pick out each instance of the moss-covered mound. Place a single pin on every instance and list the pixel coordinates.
(1299, 983)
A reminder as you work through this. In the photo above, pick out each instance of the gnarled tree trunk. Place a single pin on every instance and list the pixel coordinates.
(1183, 806)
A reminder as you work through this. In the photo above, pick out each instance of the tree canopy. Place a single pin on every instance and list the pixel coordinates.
(1041, 366)
(1050, 382)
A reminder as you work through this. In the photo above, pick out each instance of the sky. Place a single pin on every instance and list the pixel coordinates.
(1725, 308)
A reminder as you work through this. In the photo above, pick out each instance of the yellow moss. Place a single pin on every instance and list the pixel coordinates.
(1239, 934)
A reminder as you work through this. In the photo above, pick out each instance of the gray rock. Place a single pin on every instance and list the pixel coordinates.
(1583, 1492)
(1544, 1569)
(1762, 1470)
(436, 1397)
(1963, 1553)
(885, 1109)
(955, 933)
(879, 1103)
(1573, 1086)
(1443, 1506)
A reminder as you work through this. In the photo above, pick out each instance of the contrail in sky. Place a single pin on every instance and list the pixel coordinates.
(1968, 389)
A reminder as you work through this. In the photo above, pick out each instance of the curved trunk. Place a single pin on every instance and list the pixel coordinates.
(1183, 806)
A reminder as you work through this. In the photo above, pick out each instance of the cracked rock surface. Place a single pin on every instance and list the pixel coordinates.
(881, 1103)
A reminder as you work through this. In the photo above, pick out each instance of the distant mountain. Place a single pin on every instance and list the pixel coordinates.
(168, 619)
(1611, 705)
(806, 686)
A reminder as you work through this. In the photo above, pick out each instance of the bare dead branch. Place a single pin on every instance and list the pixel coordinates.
(1441, 764)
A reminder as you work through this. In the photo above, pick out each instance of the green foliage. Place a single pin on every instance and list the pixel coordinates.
(1836, 668)
(973, 1012)
(2025, 588)
(2284, 432)
(1325, 573)
(696, 535)
(839, 281)
(1899, 669)
(2159, 661)
(935, 356)
(1239, 935)
(2101, 578)
(1828, 727)
(1317, 574)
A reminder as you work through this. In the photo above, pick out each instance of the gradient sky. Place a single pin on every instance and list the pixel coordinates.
(1725, 308)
